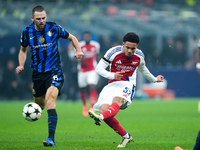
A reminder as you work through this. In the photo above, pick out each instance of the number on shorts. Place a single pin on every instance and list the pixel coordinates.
(127, 91)
(55, 77)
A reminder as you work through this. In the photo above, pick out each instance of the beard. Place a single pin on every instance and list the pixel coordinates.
(128, 57)
(40, 27)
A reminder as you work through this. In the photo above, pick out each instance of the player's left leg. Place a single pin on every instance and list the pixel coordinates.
(51, 96)
(92, 80)
(82, 84)
(83, 96)
(115, 125)
(40, 101)
(93, 95)
(111, 121)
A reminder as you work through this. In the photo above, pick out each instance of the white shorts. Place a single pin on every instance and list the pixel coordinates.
(87, 78)
(122, 89)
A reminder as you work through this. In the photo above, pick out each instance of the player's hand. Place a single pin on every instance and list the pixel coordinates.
(79, 55)
(19, 69)
(160, 78)
(119, 75)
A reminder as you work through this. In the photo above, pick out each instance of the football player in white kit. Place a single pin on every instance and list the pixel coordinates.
(124, 61)
(86, 71)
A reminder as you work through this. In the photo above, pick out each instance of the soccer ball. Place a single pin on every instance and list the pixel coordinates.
(32, 112)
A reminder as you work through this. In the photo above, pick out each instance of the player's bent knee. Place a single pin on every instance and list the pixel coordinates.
(118, 100)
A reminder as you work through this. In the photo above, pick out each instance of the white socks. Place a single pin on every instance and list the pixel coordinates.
(101, 116)
(126, 136)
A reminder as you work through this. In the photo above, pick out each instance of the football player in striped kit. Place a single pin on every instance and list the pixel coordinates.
(42, 39)
(124, 61)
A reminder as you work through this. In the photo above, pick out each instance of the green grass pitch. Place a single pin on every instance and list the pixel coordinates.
(154, 125)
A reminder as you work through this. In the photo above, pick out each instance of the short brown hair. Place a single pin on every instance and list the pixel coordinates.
(37, 8)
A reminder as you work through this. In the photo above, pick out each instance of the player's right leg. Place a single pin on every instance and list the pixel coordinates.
(82, 84)
(98, 118)
(115, 125)
(107, 111)
(83, 96)
(93, 96)
(92, 80)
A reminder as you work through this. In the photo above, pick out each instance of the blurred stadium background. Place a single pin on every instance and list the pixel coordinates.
(169, 31)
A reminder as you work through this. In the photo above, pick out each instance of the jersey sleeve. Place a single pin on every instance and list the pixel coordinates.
(104, 63)
(108, 55)
(101, 69)
(62, 32)
(145, 71)
(24, 38)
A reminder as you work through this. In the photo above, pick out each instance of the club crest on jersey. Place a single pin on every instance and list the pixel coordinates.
(134, 62)
(118, 62)
(41, 39)
(49, 33)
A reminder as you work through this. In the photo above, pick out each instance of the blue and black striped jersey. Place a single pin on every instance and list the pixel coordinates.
(44, 45)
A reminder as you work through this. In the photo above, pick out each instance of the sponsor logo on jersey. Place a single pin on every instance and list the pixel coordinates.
(32, 37)
(125, 68)
(44, 46)
(134, 62)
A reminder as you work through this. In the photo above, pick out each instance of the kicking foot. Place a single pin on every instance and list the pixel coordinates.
(96, 117)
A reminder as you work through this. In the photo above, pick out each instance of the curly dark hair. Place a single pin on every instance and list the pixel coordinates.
(131, 37)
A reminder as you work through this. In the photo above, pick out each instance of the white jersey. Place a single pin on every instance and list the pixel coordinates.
(125, 87)
(116, 59)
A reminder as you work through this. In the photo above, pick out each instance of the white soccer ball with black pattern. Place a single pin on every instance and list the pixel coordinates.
(32, 112)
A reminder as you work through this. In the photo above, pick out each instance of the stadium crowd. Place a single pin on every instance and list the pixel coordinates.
(173, 50)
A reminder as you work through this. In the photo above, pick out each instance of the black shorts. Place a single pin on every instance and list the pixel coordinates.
(42, 81)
